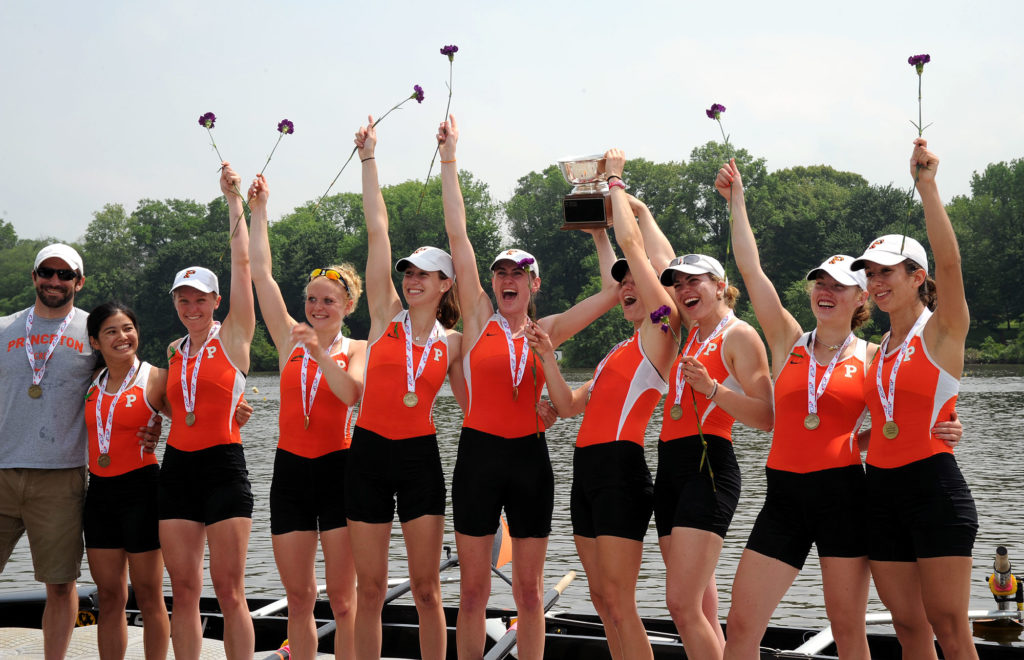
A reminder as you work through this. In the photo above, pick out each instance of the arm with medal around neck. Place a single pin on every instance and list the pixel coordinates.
(781, 330)
(381, 295)
(474, 303)
(346, 386)
(566, 401)
(745, 357)
(272, 306)
(239, 324)
(946, 331)
(565, 325)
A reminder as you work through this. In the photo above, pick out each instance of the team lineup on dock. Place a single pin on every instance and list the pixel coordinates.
(357, 440)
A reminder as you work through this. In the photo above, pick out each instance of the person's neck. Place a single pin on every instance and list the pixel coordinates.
(196, 338)
(326, 336)
(42, 311)
(516, 321)
(832, 333)
(708, 323)
(422, 321)
(901, 321)
(117, 372)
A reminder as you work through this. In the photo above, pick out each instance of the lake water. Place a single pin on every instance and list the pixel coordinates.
(990, 405)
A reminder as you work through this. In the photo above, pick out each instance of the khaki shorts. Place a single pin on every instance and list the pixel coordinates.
(48, 505)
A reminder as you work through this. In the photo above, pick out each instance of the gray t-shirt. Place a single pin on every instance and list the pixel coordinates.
(48, 432)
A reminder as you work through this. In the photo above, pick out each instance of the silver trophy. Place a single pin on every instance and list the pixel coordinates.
(588, 206)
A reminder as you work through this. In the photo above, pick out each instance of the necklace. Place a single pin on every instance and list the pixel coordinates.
(831, 347)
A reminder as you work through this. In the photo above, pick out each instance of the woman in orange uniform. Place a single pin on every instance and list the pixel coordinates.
(612, 493)
(503, 458)
(394, 455)
(921, 516)
(321, 378)
(120, 517)
(204, 484)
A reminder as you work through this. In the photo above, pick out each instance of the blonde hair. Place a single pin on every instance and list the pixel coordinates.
(731, 293)
(350, 283)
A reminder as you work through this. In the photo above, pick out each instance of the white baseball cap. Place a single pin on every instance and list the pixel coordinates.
(892, 249)
(66, 253)
(838, 266)
(429, 258)
(692, 264)
(197, 277)
(517, 256)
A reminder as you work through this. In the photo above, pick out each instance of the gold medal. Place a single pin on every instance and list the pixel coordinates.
(306, 422)
(676, 412)
(410, 399)
(103, 461)
(811, 422)
(515, 393)
(890, 429)
(190, 419)
(35, 391)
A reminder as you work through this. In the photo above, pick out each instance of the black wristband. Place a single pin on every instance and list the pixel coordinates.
(614, 176)
(363, 160)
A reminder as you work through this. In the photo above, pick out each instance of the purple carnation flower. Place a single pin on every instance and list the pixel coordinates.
(660, 314)
(285, 126)
(665, 327)
(918, 61)
(450, 51)
(207, 120)
(417, 93)
(715, 111)
(525, 263)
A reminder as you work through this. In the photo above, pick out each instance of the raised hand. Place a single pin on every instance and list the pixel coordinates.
(923, 163)
(729, 180)
(614, 162)
(229, 180)
(447, 137)
(366, 139)
(259, 192)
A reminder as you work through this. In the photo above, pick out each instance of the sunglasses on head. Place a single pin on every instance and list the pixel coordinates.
(64, 274)
(330, 274)
(688, 259)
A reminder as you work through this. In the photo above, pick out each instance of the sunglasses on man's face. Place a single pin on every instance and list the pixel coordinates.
(64, 274)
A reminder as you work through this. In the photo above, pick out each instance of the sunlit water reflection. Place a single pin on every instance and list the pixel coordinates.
(991, 400)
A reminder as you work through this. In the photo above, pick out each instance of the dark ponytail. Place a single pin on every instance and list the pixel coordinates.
(448, 308)
(927, 292)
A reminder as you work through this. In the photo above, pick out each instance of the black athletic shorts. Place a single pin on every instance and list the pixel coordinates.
(307, 494)
(206, 486)
(923, 509)
(612, 491)
(491, 473)
(121, 511)
(826, 507)
(381, 471)
(684, 494)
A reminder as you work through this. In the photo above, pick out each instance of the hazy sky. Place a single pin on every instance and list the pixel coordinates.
(100, 100)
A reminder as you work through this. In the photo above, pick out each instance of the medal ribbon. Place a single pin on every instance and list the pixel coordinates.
(308, 405)
(700, 349)
(889, 401)
(597, 372)
(435, 332)
(37, 374)
(812, 372)
(188, 393)
(517, 373)
(103, 430)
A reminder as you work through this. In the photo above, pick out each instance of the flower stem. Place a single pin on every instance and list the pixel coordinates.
(703, 442)
(917, 169)
(280, 135)
(438, 147)
(316, 207)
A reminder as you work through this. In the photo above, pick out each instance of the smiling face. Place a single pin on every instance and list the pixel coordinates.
(117, 339)
(512, 286)
(195, 308)
(697, 296)
(326, 303)
(632, 307)
(892, 287)
(52, 291)
(832, 300)
(423, 287)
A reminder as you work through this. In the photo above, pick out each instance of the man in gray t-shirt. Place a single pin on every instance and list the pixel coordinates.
(46, 365)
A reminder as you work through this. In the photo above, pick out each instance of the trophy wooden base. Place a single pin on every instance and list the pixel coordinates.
(587, 211)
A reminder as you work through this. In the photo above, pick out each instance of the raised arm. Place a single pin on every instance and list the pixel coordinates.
(272, 306)
(240, 323)
(473, 300)
(659, 249)
(381, 295)
(779, 326)
(947, 329)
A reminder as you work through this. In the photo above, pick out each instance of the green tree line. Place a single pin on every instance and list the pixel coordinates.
(800, 215)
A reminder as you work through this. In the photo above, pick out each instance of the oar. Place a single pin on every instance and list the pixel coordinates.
(504, 645)
(280, 604)
(501, 552)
